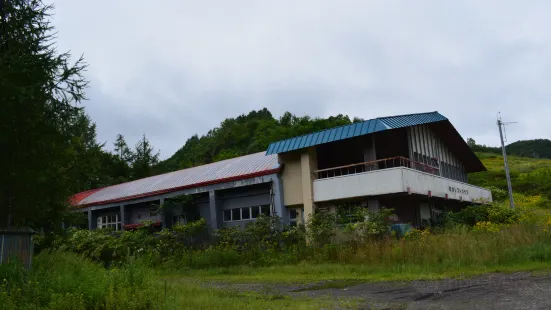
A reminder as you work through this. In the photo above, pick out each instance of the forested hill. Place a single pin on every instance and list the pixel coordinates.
(245, 134)
(537, 148)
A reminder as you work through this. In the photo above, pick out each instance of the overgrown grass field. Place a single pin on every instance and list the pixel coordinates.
(61, 280)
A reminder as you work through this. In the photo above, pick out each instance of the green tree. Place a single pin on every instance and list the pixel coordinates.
(39, 92)
(245, 134)
(122, 149)
(145, 157)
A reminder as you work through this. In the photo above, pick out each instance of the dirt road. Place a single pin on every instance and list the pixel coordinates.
(494, 291)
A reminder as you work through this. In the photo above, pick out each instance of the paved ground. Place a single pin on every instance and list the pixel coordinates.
(494, 291)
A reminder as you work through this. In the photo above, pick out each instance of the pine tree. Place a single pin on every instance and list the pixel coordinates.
(122, 150)
(145, 158)
(39, 94)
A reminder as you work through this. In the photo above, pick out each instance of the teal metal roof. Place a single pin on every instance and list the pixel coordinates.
(353, 130)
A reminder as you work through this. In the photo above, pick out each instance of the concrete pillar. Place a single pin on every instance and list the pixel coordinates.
(370, 153)
(300, 216)
(277, 200)
(308, 164)
(164, 216)
(123, 216)
(90, 227)
(213, 223)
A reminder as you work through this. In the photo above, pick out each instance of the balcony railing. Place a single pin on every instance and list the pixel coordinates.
(380, 164)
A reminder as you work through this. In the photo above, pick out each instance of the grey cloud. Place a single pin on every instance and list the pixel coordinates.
(180, 68)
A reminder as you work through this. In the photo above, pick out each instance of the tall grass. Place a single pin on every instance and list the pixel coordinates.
(458, 248)
(61, 280)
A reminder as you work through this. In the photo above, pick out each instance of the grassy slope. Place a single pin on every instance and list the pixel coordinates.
(531, 179)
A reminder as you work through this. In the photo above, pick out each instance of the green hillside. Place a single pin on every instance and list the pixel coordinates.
(530, 178)
(537, 148)
(245, 134)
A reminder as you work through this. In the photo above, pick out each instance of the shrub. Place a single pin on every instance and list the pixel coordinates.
(370, 224)
(486, 227)
(321, 228)
(495, 213)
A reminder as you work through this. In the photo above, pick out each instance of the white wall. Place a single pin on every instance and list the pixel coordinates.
(396, 180)
(421, 183)
(359, 185)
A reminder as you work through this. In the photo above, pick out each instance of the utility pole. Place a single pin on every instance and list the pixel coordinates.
(509, 187)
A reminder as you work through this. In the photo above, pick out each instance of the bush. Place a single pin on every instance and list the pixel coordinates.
(371, 224)
(264, 242)
(321, 228)
(495, 213)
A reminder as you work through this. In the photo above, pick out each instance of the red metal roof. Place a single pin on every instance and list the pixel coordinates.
(219, 172)
(78, 197)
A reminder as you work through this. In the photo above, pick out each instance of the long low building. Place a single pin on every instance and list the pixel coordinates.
(416, 164)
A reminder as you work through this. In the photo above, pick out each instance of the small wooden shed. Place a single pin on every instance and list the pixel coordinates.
(17, 244)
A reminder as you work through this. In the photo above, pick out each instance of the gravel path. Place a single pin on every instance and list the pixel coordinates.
(493, 291)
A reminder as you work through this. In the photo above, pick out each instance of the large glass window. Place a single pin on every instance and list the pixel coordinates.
(109, 221)
(246, 213)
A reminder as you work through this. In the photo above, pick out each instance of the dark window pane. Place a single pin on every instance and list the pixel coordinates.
(227, 215)
(245, 213)
(265, 210)
(293, 214)
(254, 212)
(236, 214)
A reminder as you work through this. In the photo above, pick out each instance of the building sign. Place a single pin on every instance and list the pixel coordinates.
(458, 190)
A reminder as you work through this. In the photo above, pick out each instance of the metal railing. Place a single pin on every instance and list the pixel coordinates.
(373, 166)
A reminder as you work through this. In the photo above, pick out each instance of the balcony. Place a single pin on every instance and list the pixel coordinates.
(395, 175)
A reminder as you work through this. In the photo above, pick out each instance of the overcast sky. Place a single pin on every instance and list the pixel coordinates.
(174, 68)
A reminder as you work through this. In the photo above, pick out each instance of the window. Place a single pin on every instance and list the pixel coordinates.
(227, 215)
(265, 210)
(348, 213)
(246, 213)
(179, 219)
(254, 212)
(293, 215)
(236, 214)
(109, 221)
(425, 159)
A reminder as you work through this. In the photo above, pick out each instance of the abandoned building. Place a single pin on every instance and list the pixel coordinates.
(416, 164)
